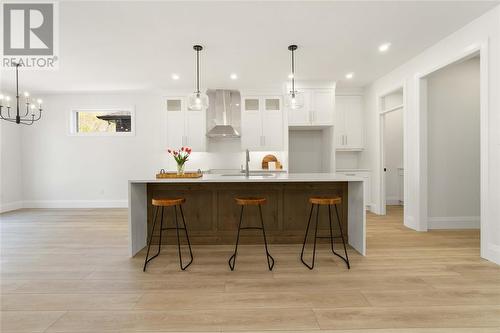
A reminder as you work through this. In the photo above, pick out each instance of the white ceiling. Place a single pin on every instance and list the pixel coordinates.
(138, 45)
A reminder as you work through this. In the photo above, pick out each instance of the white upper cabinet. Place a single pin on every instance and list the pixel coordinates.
(262, 123)
(318, 109)
(349, 126)
(185, 127)
(323, 106)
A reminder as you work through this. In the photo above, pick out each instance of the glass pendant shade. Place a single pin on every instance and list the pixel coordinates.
(294, 100)
(197, 101)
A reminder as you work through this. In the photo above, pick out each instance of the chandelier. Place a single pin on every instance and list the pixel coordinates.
(28, 117)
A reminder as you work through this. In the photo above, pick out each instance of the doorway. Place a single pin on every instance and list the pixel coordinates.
(453, 145)
(392, 150)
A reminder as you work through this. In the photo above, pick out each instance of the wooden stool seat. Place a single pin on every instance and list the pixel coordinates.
(325, 200)
(253, 201)
(167, 202)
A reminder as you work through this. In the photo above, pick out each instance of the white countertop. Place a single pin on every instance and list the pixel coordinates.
(275, 178)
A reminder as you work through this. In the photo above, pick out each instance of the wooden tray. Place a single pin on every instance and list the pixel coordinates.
(165, 174)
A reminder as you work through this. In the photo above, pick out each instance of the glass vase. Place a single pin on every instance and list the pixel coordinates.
(180, 169)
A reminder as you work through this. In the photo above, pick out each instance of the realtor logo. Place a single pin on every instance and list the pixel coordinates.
(29, 35)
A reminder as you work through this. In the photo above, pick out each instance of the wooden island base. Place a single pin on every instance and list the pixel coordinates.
(212, 215)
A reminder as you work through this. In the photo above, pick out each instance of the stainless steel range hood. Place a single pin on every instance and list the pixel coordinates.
(223, 113)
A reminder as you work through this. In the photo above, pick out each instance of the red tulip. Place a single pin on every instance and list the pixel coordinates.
(182, 148)
(175, 152)
(169, 151)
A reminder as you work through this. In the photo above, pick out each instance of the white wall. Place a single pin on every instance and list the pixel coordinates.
(485, 29)
(393, 150)
(306, 151)
(63, 170)
(453, 145)
(11, 191)
(347, 160)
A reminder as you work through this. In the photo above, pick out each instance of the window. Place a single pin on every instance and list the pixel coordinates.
(102, 122)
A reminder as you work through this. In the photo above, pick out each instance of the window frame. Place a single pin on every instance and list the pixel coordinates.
(73, 121)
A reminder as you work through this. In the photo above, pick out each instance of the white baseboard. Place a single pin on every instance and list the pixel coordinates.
(392, 201)
(454, 222)
(7, 207)
(76, 204)
(493, 253)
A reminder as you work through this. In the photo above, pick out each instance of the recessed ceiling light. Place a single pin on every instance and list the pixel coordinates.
(175, 76)
(384, 47)
(349, 75)
(233, 76)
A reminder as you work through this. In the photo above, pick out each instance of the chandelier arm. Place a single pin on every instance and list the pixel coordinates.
(39, 115)
(1, 114)
(27, 109)
(9, 119)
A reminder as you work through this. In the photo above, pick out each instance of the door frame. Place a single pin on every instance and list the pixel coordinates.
(480, 48)
(381, 174)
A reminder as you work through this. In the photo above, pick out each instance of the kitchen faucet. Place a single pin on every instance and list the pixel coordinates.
(247, 169)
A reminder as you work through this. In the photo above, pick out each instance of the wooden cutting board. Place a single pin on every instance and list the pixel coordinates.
(270, 158)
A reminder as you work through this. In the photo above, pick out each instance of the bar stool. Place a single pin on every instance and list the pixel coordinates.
(162, 203)
(323, 201)
(251, 202)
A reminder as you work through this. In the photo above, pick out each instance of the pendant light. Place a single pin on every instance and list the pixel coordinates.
(294, 99)
(197, 101)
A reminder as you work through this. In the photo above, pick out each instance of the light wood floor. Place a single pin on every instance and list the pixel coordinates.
(69, 271)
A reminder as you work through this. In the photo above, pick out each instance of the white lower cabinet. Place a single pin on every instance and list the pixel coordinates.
(262, 123)
(184, 127)
(367, 183)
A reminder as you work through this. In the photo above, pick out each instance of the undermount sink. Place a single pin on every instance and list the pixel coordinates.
(256, 174)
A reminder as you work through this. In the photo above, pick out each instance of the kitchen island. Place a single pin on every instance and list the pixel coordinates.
(212, 215)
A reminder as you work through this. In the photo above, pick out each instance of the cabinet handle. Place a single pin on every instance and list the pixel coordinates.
(263, 140)
(346, 139)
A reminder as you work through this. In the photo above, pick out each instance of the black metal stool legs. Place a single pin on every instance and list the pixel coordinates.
(178, 238)
(151, 238)
(315, 238)
(268, 256)
(346, 259)
(177, 228)
(270, 259)
(233, 257)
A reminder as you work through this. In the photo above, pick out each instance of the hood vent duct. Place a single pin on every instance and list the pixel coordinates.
(223, 113)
